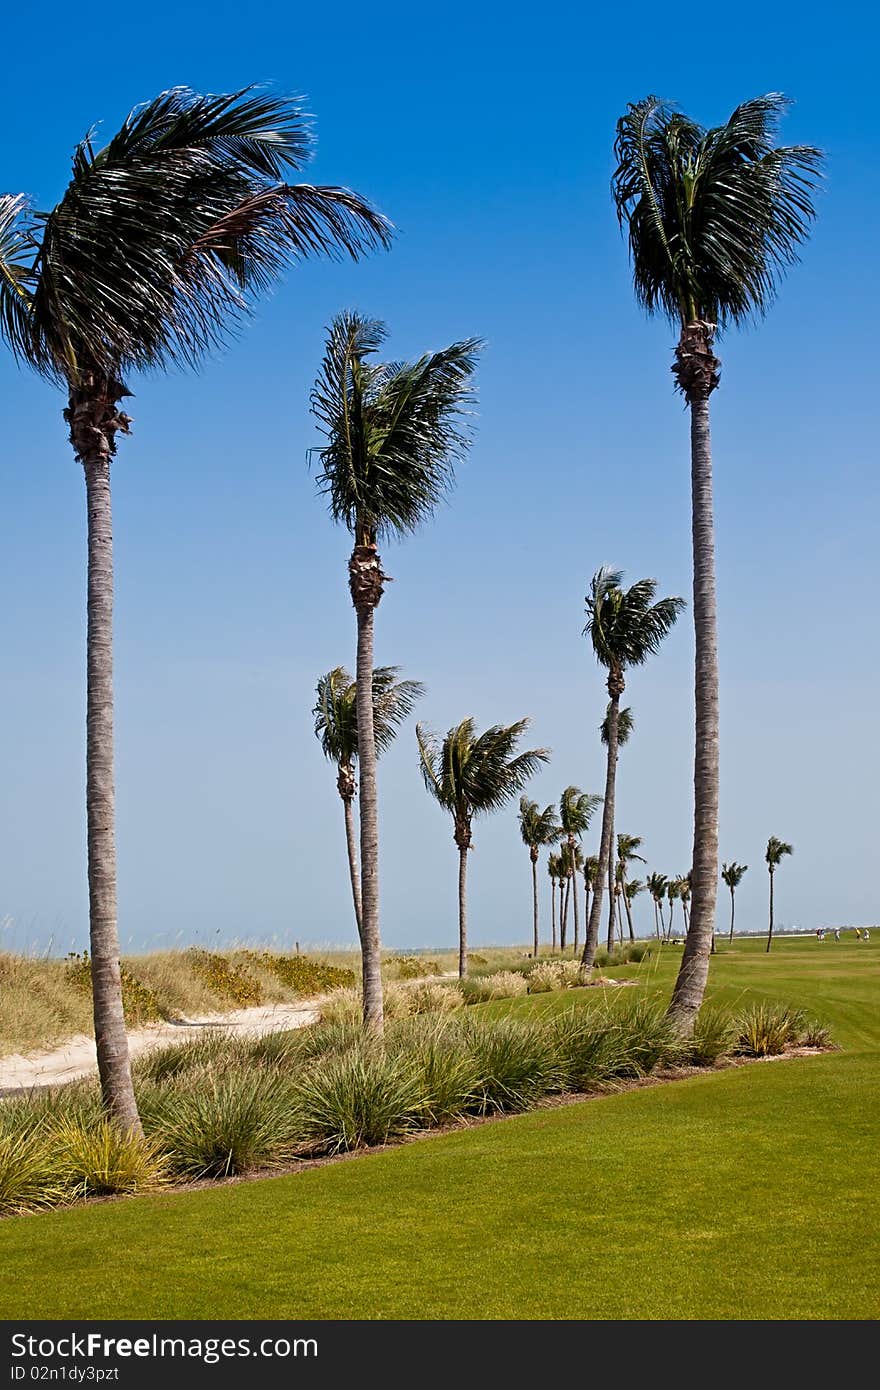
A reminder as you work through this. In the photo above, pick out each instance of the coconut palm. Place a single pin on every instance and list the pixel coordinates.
(572, 862)
(625, 626)
(158, 246)
(394, 433)
(575, 813)
(471, 774)
(684, 893)
(714, 218)
(625, 726)
(656, 886)
(631, 890)
(775, 853)
(733, 875)
(673, 894)
(591, 871)
(627, 847)
(555, 872)
(335, 715)
(538, 828)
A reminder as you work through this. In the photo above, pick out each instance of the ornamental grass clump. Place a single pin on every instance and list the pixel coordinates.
(362, 1097)
(504, 984)
(714, 1037)
(767, 1029)
(226, 1124)
(448, 1073)
(517, 1061)
(29, 1172)
(102, 1160)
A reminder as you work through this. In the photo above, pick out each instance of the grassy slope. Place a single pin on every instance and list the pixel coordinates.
(751, 1192)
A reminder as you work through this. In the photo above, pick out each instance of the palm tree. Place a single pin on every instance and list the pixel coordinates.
(684, 893)
(625, 627)
(625, 726)
(673, 892)
(776, 852)
(656, 886)
(591, 873)
(575, 813)
(336, 728)
(394, 432)
(714, 218)
(471, 774)
(627, 845)
(537, 828)
(572, 862)
(157, 247)
(555, 872)
(631, 891)
(733, 875)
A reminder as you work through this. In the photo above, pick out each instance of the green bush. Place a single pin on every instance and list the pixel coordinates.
(503, 984)
(362, 1097)
(715, 1035)
(517, 1064)
(29, 1172)
(300, 974)
(447, 1072)
(413, 967)
(767, 1029)
(230, 981)
(100, 1160)
(594, 1051)
(229, 1124)
(140, 1003)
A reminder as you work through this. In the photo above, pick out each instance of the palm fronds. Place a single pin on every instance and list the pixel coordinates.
(733, 874)
(335, 710)
(626, 626)
(537, 827)
(472, 774)
(625, 725)
(776, 852)
(576, 810)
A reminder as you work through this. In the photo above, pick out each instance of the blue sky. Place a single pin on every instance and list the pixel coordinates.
(485, 134)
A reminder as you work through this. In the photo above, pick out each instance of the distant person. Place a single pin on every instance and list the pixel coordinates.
(866, 934)
(858, 934)
(837, 933)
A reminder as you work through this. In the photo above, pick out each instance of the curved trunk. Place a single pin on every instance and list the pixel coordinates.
(365, 581)
(535, 905)
(697, 371)
(351, 845)
(574, 893)
(732, 909)
(462, 911)
(770, 932)
(94, 422)
(591, 936)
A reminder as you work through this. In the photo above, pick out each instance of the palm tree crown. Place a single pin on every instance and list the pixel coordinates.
(733, 874)
(471, 774)
(626, 626)
(625, 725)
(576, 811)
(537, 827)
(336, 711)
(394, 430)
(714, 216)
(776, 852)
(164, 235)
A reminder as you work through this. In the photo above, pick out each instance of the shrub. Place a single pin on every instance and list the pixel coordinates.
(815, 1034)
(413, 967)
(140, 1003)
(429, 996)
(594, 1051)
(362, 1097)
(230, 981)
(767, 1029)
(714, 1036)
(652, 1036)
(198, 1052)
(29, 1175)
(231, 1124)
(517, 1064)
(504, 984)
(100, 1160)
(557, 974)
(300, 974)
(447, 1072)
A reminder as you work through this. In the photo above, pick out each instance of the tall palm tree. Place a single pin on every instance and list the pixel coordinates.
(714, 218)
(684, 893)
(394, 432)
(538, 828)
(591, 872)
(158, 246)
(555, 871)
(775, 853)
(575, 813)
(631, 890)
(656, 886)
(471, 774)
(335, 715)
(625, 627)
(625, 726)
(627, 847)
(673, 894)
(733, 875)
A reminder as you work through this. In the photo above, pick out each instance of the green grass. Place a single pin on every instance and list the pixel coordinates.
(750, 1192)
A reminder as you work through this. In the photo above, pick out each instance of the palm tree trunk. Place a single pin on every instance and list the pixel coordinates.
(770, 932)
(612, 900)
(629, 916)
(553, 911)
(563, 915)
(591, 939)
(462, 912)
(732, 909)
(535, 906)
(586, 903)
(366, 580)
(95, 420)
(656, 920)
(697, 369)
(353, 865)
(574, 894)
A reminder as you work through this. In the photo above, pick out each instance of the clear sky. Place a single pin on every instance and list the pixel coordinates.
(484, 131)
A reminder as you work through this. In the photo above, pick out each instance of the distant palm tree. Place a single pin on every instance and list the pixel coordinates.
(733, 875)
(591, 871)
(656, 885)
(554, 869)
(572, 863)
(158, 246)
(336, 728)
(394, 432)
(631, 891)
(673, 894)
(625, 627)
(471, 774)
(627, 845)
(714, 218)
(776, 852)
(684, 893)
(538, 828)
(575, 813)
(625, 726)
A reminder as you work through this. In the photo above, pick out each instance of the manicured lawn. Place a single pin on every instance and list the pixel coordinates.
(746, 1193)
